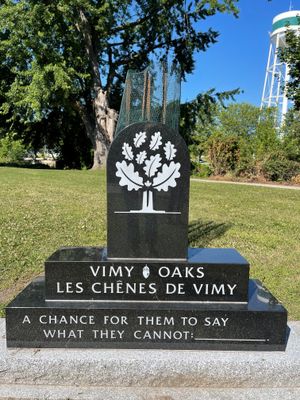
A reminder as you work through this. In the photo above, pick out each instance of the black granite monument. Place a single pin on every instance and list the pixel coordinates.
(147, 289)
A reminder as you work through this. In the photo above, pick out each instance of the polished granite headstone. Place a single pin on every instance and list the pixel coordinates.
(147, 289)
(148, 170)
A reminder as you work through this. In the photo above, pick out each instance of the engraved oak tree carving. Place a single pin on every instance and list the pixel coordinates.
(148, 169)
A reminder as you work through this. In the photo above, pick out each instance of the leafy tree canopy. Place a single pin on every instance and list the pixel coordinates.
(239, 119)
(74, 54)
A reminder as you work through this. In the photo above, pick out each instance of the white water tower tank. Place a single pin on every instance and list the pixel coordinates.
(277, 73)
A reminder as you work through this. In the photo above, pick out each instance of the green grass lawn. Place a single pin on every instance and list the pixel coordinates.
(42, 210)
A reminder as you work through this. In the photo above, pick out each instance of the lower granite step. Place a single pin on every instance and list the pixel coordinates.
(84, 393)
(258, 325)
(150, 374)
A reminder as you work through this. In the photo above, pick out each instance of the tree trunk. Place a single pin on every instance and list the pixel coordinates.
(105, 124)
(100, 122)
(100, 126)
(100, 152)
(147, 201)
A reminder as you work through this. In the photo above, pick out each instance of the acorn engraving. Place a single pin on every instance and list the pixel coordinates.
(146, 271)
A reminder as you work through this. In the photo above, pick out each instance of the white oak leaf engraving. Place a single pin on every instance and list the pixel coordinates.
(129, 177)
(170, 151)
(167, 177)
(152, 165)
(141, 157)
(127, 151)
(139, 139)
(155, 141)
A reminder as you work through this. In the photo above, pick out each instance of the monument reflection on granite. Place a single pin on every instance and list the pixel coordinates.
(147, 289)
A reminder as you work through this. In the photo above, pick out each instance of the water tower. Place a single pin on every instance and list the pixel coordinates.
(277, 73)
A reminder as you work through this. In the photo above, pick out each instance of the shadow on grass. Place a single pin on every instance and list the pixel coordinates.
(201, 233)
(25, 165)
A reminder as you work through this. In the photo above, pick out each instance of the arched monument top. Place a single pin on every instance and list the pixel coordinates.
(148, 172)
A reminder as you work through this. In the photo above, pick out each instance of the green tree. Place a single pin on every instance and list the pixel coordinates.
(240, 119)
(75, 54)
(290, 54)
(291, 135)
(232, 148)
(266, 139)
(243, 135)
(11, 151)
(198, 118)
(61, 133)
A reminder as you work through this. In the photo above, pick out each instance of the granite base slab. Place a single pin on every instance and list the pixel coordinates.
(258, 325)
(147, 374)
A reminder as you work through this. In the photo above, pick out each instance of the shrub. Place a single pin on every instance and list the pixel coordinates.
(223, 153)
(246, 162)
(296, 179)
(202, 170)
(279, 169)
(11, 151)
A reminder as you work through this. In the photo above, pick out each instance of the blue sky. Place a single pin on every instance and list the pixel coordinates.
(239, 58)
